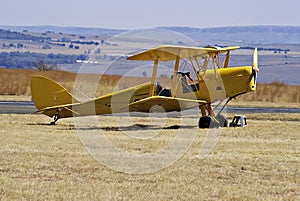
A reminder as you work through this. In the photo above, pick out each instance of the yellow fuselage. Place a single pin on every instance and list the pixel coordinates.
(217, 85)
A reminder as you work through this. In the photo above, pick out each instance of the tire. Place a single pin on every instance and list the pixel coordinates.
(206, 122)
(223, 120)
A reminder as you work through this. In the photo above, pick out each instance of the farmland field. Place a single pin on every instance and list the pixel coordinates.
(258, 162)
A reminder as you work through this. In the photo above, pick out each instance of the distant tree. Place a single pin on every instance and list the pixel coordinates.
(144, 74)
(180, 43)
(64, 39)
(98, 51)
(46, 46)
(20, 45)
(43, 66)
(27, 59)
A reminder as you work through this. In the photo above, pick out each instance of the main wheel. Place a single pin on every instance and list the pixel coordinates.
(223, 121)
(206, 122)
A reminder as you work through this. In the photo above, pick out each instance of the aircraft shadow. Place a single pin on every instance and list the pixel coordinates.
(39, 124)
(135, 127)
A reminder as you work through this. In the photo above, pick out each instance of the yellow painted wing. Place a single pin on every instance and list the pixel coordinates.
(161, 104)
(170, 52)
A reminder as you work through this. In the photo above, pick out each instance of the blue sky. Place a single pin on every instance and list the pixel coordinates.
(133, 14)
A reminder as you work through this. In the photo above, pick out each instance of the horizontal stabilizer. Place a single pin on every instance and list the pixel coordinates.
(64, 111)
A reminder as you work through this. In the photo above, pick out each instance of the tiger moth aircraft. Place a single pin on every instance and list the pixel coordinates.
(200, 77)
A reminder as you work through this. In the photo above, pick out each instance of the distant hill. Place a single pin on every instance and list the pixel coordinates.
(67, 30)
(260, 34)
(15, 35)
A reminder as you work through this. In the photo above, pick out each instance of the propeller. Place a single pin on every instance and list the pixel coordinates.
(255, 61)
(255, 66)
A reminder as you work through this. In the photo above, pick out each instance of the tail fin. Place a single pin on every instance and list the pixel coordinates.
(47, 93)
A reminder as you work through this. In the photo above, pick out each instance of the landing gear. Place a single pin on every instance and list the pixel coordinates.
(56, 117)
(206, 122)
(210, 122)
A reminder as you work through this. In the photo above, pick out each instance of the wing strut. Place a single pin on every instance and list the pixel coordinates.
(176, 67)
(154, 74)
(226, 61)
(229, 99)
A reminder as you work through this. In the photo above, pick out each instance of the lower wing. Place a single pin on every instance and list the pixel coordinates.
(164, 104)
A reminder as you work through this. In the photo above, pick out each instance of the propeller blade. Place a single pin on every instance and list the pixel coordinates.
(255, 61)
(255, 67)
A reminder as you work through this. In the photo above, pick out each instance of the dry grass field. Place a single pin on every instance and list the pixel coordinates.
(41, 162)
(16, 82)
(258, 162)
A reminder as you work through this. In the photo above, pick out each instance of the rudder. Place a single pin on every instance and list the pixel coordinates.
(47, 93)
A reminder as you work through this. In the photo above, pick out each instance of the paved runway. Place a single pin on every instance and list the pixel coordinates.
(16, 107)
(20, 107)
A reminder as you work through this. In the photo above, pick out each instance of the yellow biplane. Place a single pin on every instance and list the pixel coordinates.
(200, 77)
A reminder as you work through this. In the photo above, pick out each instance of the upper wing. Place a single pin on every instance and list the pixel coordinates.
(170, 52)
(162, 103)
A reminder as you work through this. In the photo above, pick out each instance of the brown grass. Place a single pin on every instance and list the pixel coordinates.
(258, 162)
(273, 92)
(17, 82)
